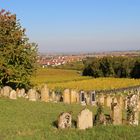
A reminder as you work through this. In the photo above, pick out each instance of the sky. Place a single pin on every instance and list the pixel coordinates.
(79, 25)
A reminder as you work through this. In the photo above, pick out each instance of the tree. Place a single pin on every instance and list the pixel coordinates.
(106, 67)
(93, 68)
(17, 55)
(135, 73)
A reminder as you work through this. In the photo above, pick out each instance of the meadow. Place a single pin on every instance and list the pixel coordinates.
(62, 79)
(24, 120)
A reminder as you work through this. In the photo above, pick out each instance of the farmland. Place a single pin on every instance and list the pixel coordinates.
(59, 78)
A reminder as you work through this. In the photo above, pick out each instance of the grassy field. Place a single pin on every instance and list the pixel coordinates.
(61, 79)
(24, 120)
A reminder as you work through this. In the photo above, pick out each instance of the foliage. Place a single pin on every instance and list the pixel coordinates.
(93, 69)
(121, 67)
(135, 73)
(17, 55)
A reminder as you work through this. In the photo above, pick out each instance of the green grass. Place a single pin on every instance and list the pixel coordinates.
(24, 120)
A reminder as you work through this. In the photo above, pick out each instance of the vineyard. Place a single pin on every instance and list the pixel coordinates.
(58, 78)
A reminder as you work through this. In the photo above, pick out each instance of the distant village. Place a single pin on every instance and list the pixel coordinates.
(46, 60)
(58, 60)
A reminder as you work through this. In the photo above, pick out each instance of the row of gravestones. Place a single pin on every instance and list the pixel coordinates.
(85, 118)
(73, 96)
(106, 99)
(31, 95)
(12, 94)
(118, 104)
(68, 96)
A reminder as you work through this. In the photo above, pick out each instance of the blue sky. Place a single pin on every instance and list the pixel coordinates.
(79, 25)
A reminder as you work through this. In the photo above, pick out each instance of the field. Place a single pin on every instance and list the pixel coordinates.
(58, 78)
(24, 120)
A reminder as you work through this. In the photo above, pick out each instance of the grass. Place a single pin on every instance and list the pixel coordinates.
(62, 79)
(24, 120)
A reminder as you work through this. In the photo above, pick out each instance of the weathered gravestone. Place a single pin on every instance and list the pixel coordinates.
(64, 120)
(5, 91)
(120, 100)
(32, 95)
(59, 97)
(20, 92)
(82, 98)
(108, 101)
(13, 95)
(133, 109)
(101, 99)
(139, 105)
(85, 119)
(66, 96)
(116, 111)
(73, 96)
(53, 96)
(93, 98)
(45, 94)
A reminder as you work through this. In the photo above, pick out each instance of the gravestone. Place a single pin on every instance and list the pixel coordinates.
(133, 109)
(45, 93)
(108, 101)
(64, 120)
(93, 98)
(116, 112)
(125, 102)
(59, 97)
(101, 99)
(5, 91)
(121, 101)
(136, 118)
(53, 96)
(66, 96)
(85, 119)
(20, 92)
(82, 98)
(139, 104)
(32, 95)
(73, 96)
(13, 95)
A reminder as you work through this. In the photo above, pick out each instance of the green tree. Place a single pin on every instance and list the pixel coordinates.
(106, 67)
(17, 55)
(93, 68)
(135, 73)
